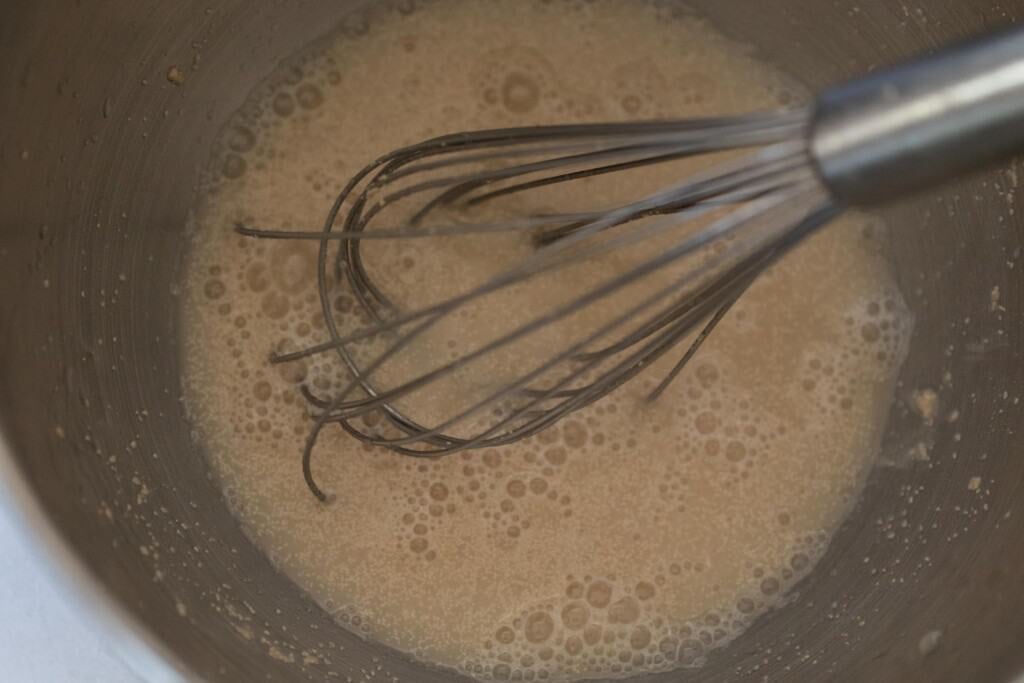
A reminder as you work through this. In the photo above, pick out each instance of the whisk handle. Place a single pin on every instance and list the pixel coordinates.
(906, 129)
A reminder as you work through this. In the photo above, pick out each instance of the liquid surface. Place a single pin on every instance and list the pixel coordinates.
(630, 538)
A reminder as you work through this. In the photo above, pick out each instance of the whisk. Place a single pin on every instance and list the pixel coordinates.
(770, 180)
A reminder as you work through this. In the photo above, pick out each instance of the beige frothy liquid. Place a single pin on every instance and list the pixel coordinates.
(631, 537)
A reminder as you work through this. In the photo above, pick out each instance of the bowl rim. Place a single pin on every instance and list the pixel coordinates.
(89, 599)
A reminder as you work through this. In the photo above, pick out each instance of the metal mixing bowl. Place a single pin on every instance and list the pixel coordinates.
(99, 157)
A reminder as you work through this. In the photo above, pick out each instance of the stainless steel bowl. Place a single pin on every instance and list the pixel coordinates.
(99, 156)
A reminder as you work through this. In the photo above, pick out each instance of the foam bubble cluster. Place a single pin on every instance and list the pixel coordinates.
(631, 537)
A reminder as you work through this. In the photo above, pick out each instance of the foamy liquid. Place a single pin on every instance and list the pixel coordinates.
(631, 537)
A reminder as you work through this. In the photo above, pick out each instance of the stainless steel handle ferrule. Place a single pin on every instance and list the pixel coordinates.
(909, 128)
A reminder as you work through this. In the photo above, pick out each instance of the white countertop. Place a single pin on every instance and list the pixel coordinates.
(43, 639)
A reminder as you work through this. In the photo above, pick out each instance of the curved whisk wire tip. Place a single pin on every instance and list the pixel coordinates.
(750, 211)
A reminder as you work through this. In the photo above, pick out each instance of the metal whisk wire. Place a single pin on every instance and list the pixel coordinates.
(771, 186)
